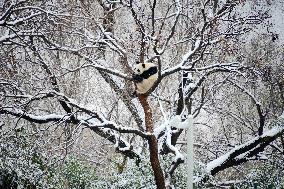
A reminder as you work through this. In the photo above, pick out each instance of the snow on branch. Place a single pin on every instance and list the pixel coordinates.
(23, 19)
(33, 118)
(111, 41)
(103, 122)
(190, 53)
(230, 67)
(24, 33)
(91, 63)
(48, 12)
(7, 13)
(175, 122)
(100, 126)
(120, 129)
(244, 152)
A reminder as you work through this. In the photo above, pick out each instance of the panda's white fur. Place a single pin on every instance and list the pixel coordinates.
(149, 72)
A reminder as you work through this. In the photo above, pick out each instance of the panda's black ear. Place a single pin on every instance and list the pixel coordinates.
(143, 65)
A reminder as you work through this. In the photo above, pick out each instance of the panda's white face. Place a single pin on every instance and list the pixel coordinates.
(148, 73)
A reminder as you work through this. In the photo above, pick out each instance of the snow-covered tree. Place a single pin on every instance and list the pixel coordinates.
(66, 72)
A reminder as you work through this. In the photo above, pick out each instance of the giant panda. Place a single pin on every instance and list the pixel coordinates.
(145, 75)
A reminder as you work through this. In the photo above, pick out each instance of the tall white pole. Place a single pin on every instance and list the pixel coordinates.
(190, 161)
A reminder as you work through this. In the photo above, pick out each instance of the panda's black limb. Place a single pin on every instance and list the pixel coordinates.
(151, 71)
(137, 78)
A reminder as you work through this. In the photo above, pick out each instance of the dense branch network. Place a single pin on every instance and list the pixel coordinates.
(156, 39)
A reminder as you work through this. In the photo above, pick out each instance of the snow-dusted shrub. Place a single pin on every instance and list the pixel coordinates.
(268, 175)
(132, 176)
(74, 174)
(137, 176)
(22, 163)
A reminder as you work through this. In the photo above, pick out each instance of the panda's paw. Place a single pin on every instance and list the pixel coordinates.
(137, 78)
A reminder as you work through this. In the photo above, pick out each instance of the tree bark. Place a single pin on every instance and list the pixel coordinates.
(153, 144)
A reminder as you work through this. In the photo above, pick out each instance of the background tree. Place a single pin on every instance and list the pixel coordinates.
(66, 75)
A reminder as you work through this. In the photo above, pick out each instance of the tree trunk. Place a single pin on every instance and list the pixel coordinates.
(153, 144)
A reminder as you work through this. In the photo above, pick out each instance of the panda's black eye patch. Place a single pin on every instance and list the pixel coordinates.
(138, 70)
(143, 65)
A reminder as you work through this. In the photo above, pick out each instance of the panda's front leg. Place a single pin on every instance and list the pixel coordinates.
(137, 78)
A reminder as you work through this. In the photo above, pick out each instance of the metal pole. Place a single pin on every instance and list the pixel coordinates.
(190, 161)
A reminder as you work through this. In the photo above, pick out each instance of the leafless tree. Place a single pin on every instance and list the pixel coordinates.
(46, 47)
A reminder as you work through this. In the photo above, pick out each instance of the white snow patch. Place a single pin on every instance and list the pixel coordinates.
(175, 121)
(217, 162)
(282, 115)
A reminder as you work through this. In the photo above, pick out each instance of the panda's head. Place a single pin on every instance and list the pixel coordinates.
(140, 68)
